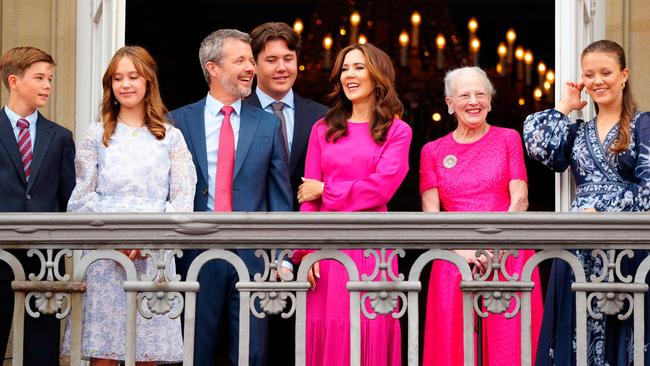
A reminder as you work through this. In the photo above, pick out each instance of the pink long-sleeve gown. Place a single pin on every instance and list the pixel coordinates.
(359, 175)
(477, 182)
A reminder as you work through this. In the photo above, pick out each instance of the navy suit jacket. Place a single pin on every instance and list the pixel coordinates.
(261, 175)
(50, 184)
(52, 176)
(307, 113)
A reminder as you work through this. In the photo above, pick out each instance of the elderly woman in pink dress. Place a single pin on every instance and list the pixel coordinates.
(477, 167)
(356, 159)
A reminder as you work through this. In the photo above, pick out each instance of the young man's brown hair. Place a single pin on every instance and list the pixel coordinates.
(18, 59)
(272, 31)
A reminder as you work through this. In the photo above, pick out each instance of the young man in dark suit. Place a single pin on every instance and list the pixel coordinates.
(276, 47)
(36, 175)
(241, 164)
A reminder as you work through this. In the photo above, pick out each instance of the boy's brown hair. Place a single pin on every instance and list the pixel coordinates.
(272, 31)
(18, 59)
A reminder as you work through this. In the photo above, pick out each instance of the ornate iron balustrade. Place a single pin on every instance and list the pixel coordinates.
(611, 236)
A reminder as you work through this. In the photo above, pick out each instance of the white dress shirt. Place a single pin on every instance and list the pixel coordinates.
(32, 119)
(213, 119)
(289, 110)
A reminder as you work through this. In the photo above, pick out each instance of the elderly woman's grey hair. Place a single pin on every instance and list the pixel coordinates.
(212, 47)
(451, 76)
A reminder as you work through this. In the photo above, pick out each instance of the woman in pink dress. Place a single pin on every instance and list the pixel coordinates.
(356, 159)
(477, 167)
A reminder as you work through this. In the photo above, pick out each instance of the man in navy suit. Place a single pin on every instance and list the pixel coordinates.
(260, 182)
(36, 175)
(276, 47)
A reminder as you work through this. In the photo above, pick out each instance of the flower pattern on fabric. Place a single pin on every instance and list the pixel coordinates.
(135, 173)
(606, 181)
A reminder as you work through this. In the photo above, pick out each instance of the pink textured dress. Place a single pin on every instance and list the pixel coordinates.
(359, 175)
(477, 182)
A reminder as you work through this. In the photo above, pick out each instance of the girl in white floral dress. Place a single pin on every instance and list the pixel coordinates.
(133, 161)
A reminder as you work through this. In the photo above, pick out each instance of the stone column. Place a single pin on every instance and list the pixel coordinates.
(51, 26)
(628, 23)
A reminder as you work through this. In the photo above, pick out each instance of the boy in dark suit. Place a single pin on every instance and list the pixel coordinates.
(36, 175)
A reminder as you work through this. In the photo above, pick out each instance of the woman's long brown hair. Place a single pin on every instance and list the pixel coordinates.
(387, 106)
(145, 65)
(622, 141)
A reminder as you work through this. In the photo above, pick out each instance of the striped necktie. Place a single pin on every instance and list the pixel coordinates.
(25, 146)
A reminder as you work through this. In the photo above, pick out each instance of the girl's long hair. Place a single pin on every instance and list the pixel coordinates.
(629, 106)
(155, 111)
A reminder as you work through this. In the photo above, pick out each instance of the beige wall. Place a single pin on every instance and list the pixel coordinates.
(51, 26)
(628, 22)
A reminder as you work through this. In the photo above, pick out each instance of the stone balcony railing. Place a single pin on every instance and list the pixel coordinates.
(551, 234)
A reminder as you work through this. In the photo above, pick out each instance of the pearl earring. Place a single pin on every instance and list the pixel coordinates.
(450, 110)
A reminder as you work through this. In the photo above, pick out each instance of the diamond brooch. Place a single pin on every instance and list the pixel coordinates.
(450, 161)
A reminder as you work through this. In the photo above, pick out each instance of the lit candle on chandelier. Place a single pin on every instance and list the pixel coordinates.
(519, 55)
(511, 36)
(404, 43)
(298, 26)
(475, 47)
(550, 76)
(528, 59)
(327, 45)
(502, 51)
(416, 20)
(441, 42)
(362, 39)
(355, 19)
(547, 87)
(541, 73)
(499, 69)
(537, 93)
(550, 79)
(472, 26)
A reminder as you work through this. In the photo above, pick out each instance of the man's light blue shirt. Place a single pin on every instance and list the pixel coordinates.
(289, 110)
(213, 119)
(32, 119)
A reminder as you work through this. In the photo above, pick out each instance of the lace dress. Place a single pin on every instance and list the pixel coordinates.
(135, 173)
(607, 182)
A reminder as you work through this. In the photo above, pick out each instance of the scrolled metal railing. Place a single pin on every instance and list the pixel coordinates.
(163, 237)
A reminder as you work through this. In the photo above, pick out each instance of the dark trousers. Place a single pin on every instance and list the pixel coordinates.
(217, 313)
(41, 335)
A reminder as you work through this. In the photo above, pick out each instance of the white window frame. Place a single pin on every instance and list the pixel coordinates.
(100, 32)
(577, 24)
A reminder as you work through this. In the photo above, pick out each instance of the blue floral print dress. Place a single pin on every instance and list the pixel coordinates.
(605, 181)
